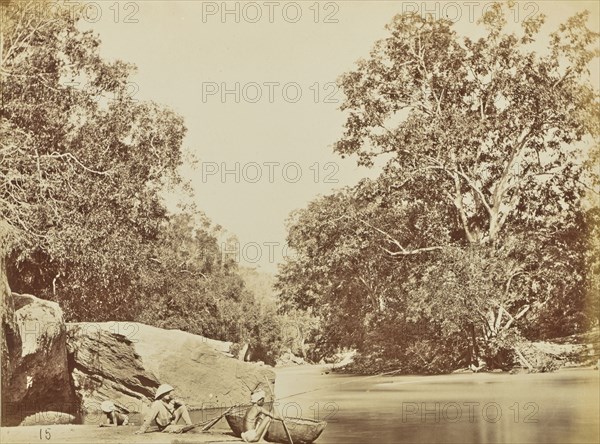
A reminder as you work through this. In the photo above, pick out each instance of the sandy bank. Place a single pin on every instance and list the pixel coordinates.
(94, 434)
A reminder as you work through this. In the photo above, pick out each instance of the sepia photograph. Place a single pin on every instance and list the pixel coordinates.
(312, 221)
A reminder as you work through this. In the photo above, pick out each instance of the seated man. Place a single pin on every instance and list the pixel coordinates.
(114, 417)
(165, 412)
(257, 419)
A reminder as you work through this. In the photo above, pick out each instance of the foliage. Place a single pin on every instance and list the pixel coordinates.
(275, 333)
(475, 236)
(489, 124)
(83, 166)
(192, 286)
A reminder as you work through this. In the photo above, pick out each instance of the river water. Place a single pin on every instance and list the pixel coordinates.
(560, 407)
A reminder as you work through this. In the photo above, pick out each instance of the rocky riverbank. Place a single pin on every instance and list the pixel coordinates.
(61, 372)
(125, 362)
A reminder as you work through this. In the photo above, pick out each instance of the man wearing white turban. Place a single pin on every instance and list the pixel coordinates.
(257, 419)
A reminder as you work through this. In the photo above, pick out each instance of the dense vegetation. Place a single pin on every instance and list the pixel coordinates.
(83, 168)
(481, 233)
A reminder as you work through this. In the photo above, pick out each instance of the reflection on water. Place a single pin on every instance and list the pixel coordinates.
(560, 407)
(478, 408)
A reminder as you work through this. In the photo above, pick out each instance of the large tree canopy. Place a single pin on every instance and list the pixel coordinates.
(475, 234)
(83, 168)
(491, 124)
(82, 163)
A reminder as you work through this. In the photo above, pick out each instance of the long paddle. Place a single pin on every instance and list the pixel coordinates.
(287, 432)
(206, 426)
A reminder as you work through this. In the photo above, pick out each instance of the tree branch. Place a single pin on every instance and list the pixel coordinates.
(76, 160)
(410, 252)
(403, 251)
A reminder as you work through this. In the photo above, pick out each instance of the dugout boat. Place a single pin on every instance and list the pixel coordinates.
(302, 430)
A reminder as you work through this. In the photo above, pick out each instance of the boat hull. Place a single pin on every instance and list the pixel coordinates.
(302, 431)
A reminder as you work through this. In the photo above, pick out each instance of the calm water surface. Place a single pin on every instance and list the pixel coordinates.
(561, 407)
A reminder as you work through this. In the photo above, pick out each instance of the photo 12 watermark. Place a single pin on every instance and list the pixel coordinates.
(32, 332)
(124, 92)
(470, 11)
(492, 412)
(270, 12)
(88, 11)
(255, 252)
(269, 172)
(118, 12)
(317, 410)
(270, 92)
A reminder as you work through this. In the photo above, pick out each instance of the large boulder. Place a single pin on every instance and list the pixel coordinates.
(125, 362)
(39, 380)
(104, 365)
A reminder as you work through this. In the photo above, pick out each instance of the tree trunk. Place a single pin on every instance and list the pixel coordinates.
(11, 339)
(522, 359)
(243, 351)
(474, 348)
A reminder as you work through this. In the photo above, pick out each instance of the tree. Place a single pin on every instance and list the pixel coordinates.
(81, 164)
(479, 207)
(82, 169)
(489, 123)
(195, 288)
(342, 269)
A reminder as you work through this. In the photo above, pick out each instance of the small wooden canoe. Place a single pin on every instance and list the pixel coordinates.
(302, 430)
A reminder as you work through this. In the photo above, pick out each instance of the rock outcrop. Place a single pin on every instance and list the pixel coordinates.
(54, 372)
(104, 365)
(288, 358)
(125, 362)
(39, 380)
(10, 342)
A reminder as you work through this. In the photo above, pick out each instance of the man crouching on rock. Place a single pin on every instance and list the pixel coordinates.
(165, 412)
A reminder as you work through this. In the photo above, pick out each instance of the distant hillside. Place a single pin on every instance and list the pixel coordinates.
(260, 283)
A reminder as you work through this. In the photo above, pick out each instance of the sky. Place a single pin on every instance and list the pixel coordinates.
(255, 83)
